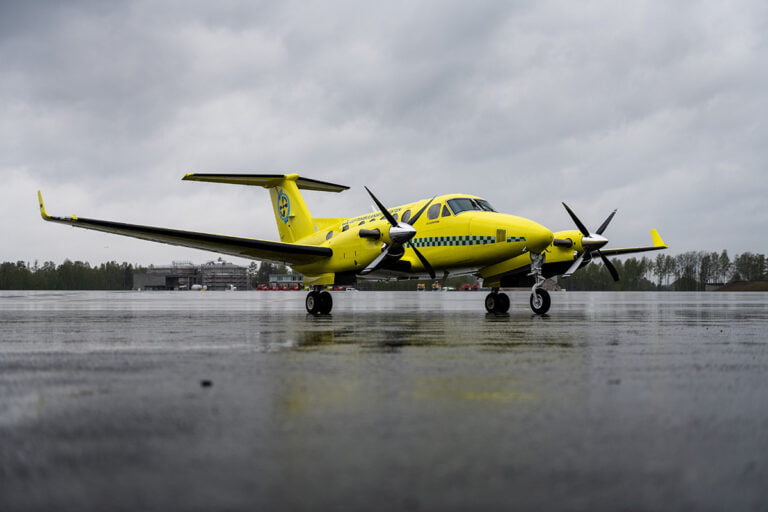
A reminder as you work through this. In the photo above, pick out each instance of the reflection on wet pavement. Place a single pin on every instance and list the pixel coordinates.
(415, 401)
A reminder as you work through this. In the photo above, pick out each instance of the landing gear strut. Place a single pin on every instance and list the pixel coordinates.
(496, 302)
(540, 300)
(318, 302)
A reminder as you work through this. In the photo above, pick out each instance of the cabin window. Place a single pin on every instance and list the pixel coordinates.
(446, 212)
(434, 211)
(361, 223)
(345, 227)
(406, 216)
(329, 235)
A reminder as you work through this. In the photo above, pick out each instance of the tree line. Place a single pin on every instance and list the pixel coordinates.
(689, 271)
(77, 275)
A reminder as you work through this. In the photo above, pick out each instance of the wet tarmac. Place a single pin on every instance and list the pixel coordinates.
(398, 401)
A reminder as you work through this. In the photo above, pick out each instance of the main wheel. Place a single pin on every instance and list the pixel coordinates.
(497, 303)
(326, 303)
(540, 301)
(312, 302)
(490, 302)
(502, 303)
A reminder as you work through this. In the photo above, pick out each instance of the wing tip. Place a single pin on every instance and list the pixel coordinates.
(43, 213)
(657, 240)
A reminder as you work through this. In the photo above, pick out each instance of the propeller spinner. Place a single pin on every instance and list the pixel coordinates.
(592, 243)
(400, 234)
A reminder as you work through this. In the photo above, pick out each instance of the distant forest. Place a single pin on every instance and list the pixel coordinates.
(69, 275)
(690, 271)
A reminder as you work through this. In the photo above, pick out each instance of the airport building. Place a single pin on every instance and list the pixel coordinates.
(183, 275)
(286, 279)
(219, 275)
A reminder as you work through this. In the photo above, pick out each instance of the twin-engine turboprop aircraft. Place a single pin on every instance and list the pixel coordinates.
(455, 234)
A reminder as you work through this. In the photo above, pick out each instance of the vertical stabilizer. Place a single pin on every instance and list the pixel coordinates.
(294, 221)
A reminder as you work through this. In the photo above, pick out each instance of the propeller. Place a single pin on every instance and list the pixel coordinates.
(592, 243)
(400, 234)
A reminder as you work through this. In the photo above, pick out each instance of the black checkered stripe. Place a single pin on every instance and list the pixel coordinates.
(444, 241)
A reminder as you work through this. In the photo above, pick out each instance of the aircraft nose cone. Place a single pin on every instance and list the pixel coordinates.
(538, 238)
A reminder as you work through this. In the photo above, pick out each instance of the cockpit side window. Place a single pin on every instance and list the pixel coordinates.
(446, 211)
(433, 212)
(485, 205)
(463, 204)
(460, 204)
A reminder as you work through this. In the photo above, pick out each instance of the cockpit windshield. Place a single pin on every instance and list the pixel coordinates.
(462, 204)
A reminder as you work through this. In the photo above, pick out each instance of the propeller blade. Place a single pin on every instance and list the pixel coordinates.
(383, 209)
(423, 261)
(376, 262)
(609, 266)
(605, 223)
(582, 227)
(413, 219)
(576, 264)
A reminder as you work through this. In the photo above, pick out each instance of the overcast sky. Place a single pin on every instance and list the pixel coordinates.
(658, 109)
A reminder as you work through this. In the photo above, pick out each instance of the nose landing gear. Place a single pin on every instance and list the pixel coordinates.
(540, 300)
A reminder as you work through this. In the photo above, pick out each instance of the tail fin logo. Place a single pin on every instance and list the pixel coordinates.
(283, 206)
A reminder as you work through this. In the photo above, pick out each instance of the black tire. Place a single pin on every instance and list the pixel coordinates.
(502, 303)
(540, 302)
(490, 302)
(325, 303)
(497, 303)
(312, 302)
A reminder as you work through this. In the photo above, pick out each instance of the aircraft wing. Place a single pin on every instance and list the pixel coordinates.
(658, 244)
(292, 254)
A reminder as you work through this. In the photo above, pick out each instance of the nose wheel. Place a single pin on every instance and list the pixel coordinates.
(540, 301)
(318, 302)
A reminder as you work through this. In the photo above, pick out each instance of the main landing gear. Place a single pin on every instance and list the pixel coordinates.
(496, 302)
(318, 301)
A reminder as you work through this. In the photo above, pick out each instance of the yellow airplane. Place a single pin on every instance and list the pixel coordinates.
(455, 234)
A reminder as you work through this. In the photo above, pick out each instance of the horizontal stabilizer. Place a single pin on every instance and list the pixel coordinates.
(266, 181)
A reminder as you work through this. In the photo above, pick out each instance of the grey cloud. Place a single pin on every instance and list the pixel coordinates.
(528, 103)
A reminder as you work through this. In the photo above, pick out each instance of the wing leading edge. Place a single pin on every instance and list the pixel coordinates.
(658, 244)
(292, 254)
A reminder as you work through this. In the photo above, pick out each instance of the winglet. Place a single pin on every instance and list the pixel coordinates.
(43, 213)
(657, 241)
